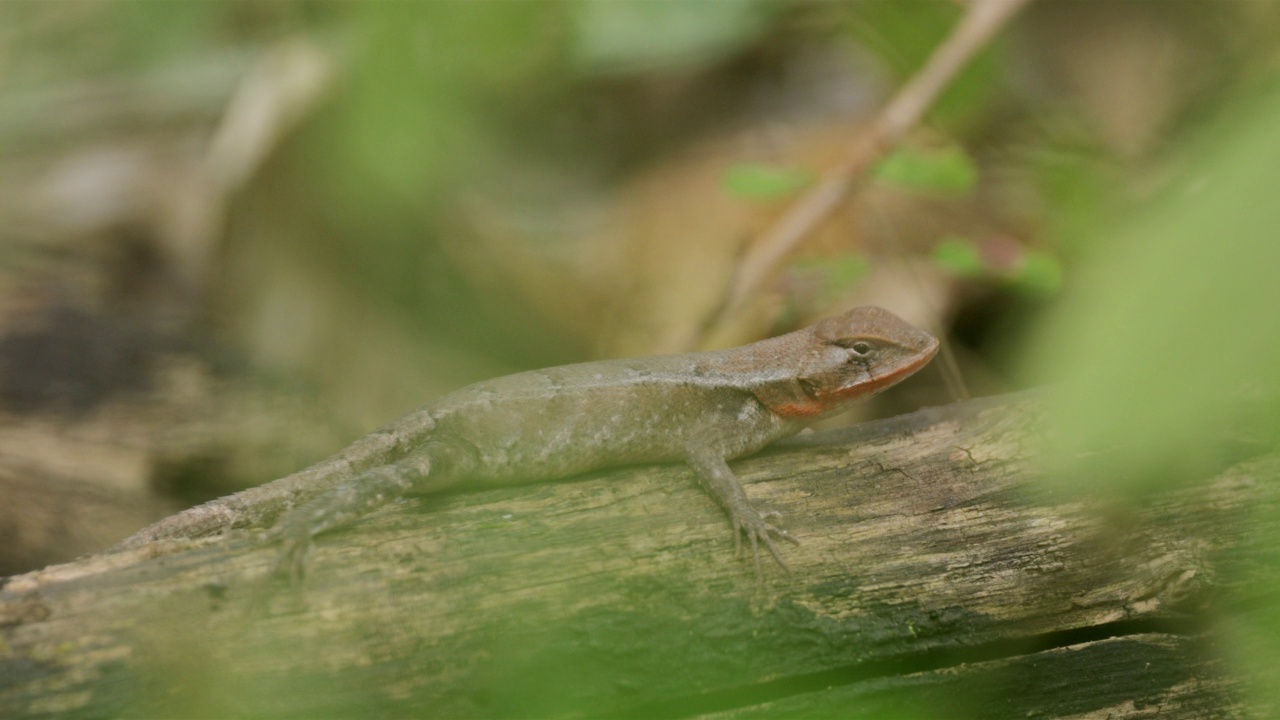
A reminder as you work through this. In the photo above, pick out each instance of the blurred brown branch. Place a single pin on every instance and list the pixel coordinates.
(981, 21)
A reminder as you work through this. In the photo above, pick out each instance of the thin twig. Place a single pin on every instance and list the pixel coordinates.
(980, 22)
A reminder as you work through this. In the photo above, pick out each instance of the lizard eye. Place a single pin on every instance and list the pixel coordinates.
(859, 348)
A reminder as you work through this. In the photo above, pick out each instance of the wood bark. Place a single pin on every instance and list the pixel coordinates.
(938, 576)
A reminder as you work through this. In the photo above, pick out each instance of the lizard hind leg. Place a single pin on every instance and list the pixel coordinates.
(341, 505)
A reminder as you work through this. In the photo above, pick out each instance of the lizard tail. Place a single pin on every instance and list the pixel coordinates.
(260, 505)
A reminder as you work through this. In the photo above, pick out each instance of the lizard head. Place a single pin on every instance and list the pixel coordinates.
(854, 356)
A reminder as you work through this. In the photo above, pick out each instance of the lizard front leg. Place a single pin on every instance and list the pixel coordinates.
(714, 474)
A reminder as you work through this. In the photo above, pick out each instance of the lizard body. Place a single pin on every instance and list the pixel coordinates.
(699, 408)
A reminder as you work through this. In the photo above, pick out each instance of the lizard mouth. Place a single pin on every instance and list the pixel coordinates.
(877, 381)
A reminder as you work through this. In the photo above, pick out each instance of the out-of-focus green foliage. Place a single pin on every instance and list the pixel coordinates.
(1031, 272)
(946, 170)
(829, 278)
(1167, 322)
(904, 34)
(424, 115)
(765, 182)
(1039, 274)
(1167, 346)
(639, 35)
(427, 77)
(960, 257)
(1084, 190)
(84, 40)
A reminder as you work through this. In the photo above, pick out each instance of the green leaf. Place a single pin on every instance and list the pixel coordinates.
(631, 36)
(763, 182)
(903, 35)
(834, 276)
(945, 170)
(1040, 274)
(846, 271)
(958, 256)
(1193, 268)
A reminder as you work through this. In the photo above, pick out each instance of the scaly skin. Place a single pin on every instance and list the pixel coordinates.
(699, 408)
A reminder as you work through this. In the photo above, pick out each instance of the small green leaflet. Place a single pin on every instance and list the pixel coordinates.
(942, 170)
(1040, 274)
(1035, 273)
(832, 276)
(764, 182)
(959, 257)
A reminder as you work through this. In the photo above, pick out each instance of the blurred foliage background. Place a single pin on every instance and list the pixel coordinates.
(234, 235)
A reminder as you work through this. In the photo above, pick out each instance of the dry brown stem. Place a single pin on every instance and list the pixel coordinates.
(980, 23)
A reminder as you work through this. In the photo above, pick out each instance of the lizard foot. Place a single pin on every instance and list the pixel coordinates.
(286, 572)
(291, 563)
(759, 532)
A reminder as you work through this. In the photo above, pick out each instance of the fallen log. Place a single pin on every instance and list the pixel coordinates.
(937, 575)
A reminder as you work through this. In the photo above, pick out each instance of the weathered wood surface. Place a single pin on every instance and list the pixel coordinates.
(938, 577)
(45, 518)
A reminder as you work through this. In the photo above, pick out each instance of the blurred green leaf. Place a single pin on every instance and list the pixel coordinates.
(1072, 174)
(639, 35)
(832, 276)
(763, 182)
(943, 170)
(845, 271)
(1040, 274)
(959, 256)
(904, 34)
(1032, 273)
(422, 77)
(1175, 312)
(1166, 352)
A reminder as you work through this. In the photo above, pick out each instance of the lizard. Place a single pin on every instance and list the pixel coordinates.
(701, 408)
